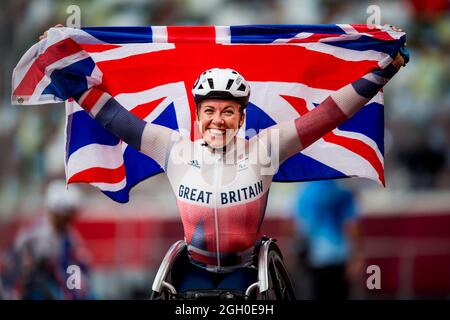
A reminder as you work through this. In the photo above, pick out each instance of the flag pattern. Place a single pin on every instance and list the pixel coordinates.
(151, 71)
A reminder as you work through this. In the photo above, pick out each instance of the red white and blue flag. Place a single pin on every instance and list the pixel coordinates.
(151, 71)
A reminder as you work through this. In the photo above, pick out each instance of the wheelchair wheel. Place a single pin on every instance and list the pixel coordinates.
(164, 295)
(280, 286)
(281, 283)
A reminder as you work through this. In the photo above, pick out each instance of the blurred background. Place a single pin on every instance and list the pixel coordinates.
(403, 228)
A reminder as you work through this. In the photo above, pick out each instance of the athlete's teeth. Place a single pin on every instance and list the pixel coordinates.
(216, 131)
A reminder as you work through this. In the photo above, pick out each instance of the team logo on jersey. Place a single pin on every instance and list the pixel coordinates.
(242, 163)
(194, 163)
(242, 166)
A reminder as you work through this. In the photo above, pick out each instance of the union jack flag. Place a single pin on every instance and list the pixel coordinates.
(151, 70)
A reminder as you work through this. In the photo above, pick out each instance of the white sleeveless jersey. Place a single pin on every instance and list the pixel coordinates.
(221, 196)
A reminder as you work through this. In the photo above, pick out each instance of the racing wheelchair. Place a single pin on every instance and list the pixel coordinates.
(272, 283)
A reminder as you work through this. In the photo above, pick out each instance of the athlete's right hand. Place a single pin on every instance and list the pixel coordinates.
(44, 35)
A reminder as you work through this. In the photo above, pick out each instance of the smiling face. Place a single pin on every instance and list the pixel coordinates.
(219, 121)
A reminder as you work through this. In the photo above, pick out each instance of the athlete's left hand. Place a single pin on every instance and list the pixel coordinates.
(44, 35)
(402, 57)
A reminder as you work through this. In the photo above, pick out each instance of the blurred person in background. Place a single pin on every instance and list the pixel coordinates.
(37, 266)
(329, 240)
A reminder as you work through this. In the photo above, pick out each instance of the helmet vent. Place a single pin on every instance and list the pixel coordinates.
(211, 83)
(241, 87)
(200, 86)
(230, 83)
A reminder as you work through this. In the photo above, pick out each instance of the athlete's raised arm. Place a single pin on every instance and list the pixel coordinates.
(296, 135)
(151, 139)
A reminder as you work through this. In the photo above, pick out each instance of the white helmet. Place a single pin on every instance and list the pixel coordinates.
(61, 200)
(225, 84)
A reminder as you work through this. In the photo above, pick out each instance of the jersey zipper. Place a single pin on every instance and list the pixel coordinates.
(217, 179)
